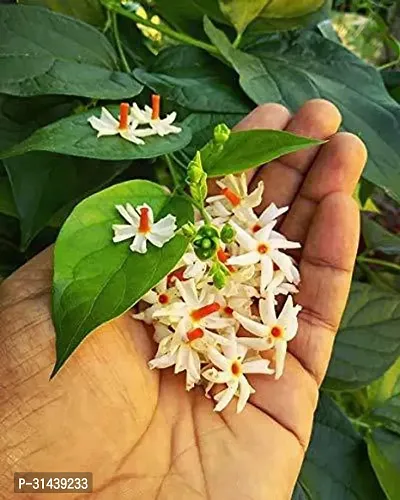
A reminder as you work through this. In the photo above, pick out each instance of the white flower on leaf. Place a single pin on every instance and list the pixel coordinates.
(233, 370)
(151, 116)
(263, 247)
(276, 331)
(107, 125)
(142, 227)
(234, 198)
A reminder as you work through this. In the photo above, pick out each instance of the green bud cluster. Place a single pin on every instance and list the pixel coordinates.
(197, 179)
(206, 242)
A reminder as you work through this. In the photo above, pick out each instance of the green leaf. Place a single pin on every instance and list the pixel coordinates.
(47, 53)
(368, 341)
(241, 12)
(44, 183)
(293, 68)
(383, 449)
(134, 43)
(388, 414)
(252, 148)
(10, 258)
(88, 11)
(336, 464)
(287, 15)
(7, 203)
(74, 136)
(96, 280)
(378, 238)
(195, 80)
(386, 386)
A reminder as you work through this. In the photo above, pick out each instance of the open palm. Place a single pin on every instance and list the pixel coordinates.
(137, 430)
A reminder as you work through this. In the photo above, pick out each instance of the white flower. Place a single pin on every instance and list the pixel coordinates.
(265, 248)
(233, 370)
(279, 285)
(195, 268)
(275, 330)
(234, 198)
(125, 127)
(151, 116)
(160, 296)
(195, 311)
(142, 227)
(270, 214)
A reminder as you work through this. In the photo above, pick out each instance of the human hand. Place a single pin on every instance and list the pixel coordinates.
(137, 430)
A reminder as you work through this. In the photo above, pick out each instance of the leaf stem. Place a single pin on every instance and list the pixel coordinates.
(199, 207)
(359, 423)
(181, 37)
(378, 262)
(173, 172)
(237, 41)
(118, 42)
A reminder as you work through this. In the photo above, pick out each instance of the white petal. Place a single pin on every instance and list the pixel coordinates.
(130, 217)
(251, 326)
(218, 197)
(151, 297)
(163, 361)
(107, 118)
(244, 260)
(280, 354)
(225, 396)
(123, 232)
(170, 118)
(188, 292)
(264, 233)
(267, 310)
(130, 136)
(182, 359)
(257, 366)
(166, 224)
(244, 238)
(267, 272)
(272, 212)
(139, 115)
(144, 132)
(101, 127)
(219, 360)
(283, 244)
(255, 197)
(158, 240)
(244, 393)
(139, 244)
(217, 377)
(257, 344)
(284, 263)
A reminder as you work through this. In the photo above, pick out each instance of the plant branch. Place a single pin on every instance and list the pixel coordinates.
(199, 207)
(181, 37)
(378, 262)
(173, 172)
(118, 43)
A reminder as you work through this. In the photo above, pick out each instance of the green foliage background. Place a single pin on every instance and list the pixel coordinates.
(57, 69)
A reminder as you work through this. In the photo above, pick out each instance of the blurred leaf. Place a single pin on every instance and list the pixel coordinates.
(378, 238)
(194, 80)
(48, 53)
(10, 258)
(368, 341)
(44, 183)
(241, 12)
(388, 414)
(252, 148)
(383, 449)
(134, 43)
(299, 492)
(336, 464)
(89, 11)
(282, 15)
(96, 280)
(74, 136)
(7, 204)
(305, 65)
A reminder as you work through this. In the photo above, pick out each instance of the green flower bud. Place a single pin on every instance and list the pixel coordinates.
(219, 279)
(189, 230)
(204, 253)
(227, 233)
(197, 179)
(221, 133)
(208, 231)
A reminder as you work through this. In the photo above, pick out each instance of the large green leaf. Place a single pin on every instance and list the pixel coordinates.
(388, 414)
(7, 203)
(378, 238)
(386, 386)
(44, 183)
(241, 12)
(74, 136)
(43, 52)
(368, 342)
(89, 11)
(336, 464)
(252, 148)
(195, 80)
(293, 68)
(384, 452)
(96, 280)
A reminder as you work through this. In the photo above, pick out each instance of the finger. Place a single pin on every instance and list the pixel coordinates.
(337, 167)
(326, 269)
(282, 178)
(271, 116)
